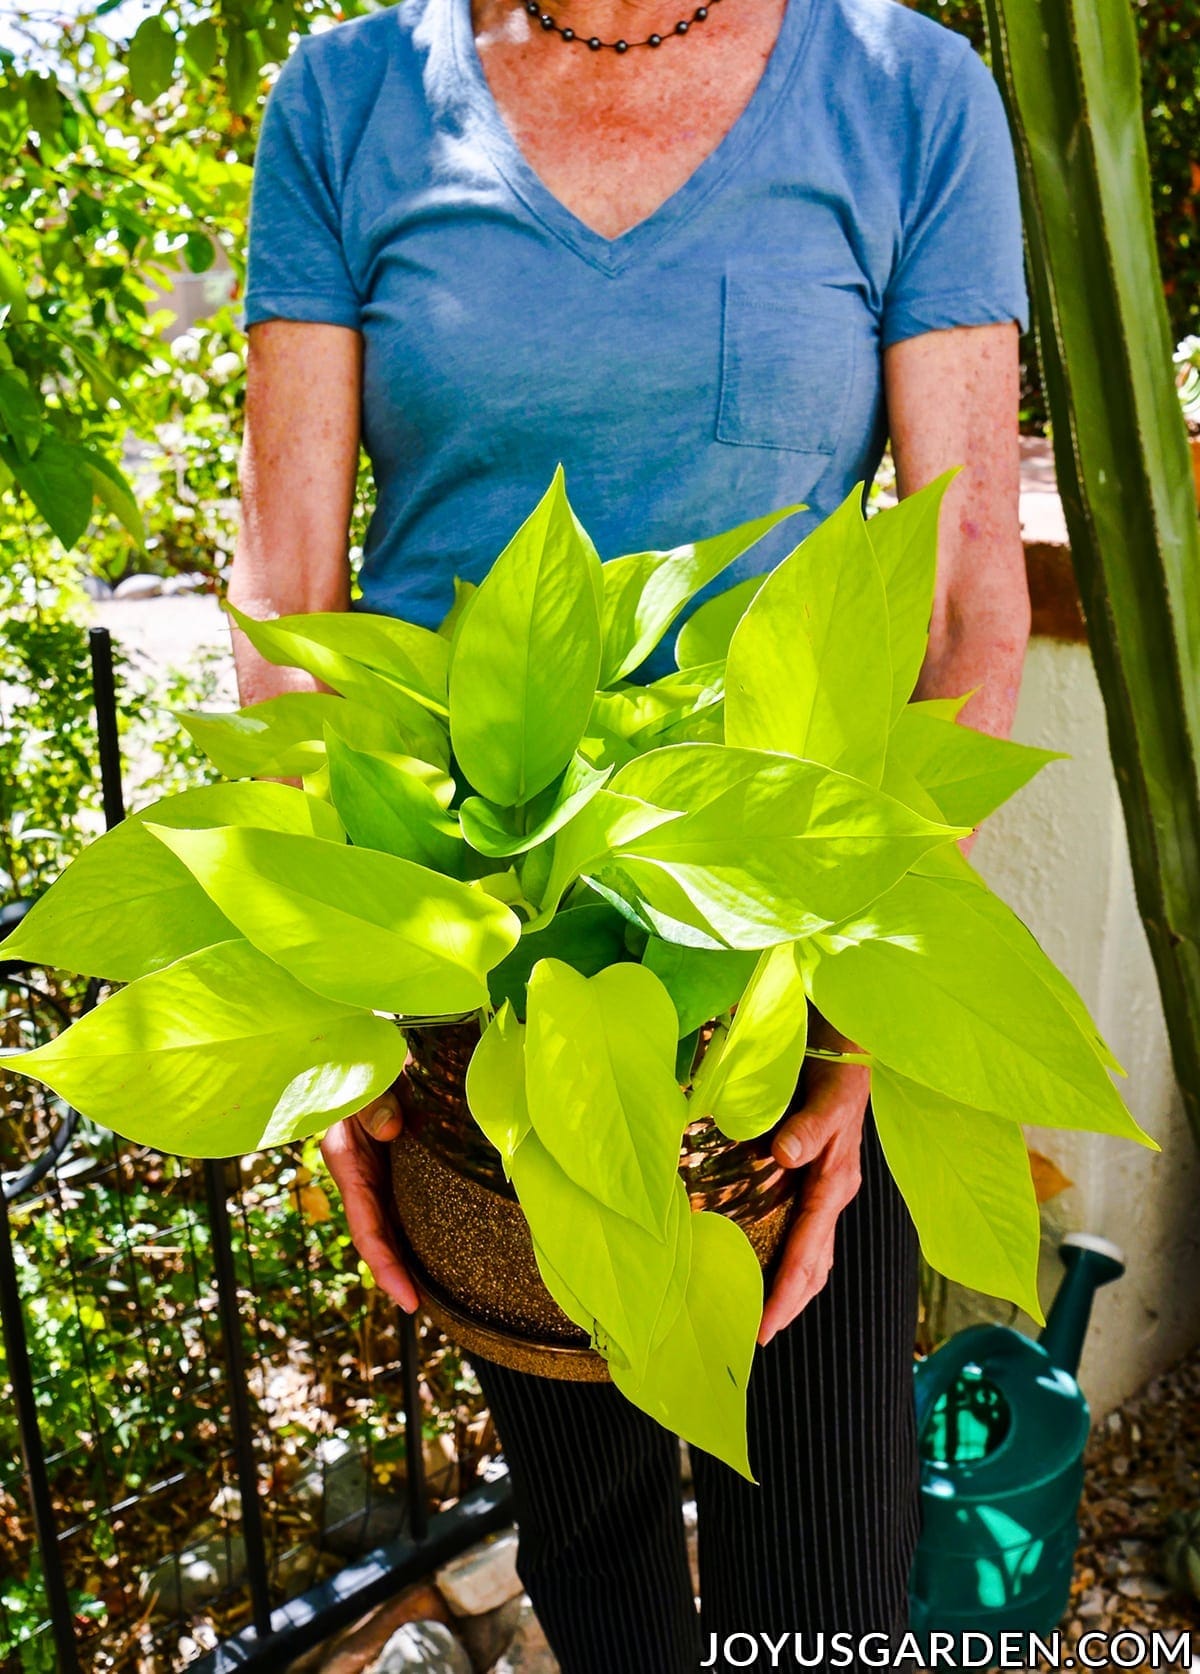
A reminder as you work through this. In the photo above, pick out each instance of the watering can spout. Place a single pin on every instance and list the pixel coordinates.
(1090, 1262)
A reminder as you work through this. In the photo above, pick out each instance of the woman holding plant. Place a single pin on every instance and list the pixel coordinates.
(709, 260)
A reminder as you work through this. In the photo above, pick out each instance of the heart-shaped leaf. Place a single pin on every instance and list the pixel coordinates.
(218, 1054)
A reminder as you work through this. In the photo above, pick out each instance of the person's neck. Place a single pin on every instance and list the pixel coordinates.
(616, 19)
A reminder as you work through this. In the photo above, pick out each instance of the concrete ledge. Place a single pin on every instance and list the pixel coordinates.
(1053, 594)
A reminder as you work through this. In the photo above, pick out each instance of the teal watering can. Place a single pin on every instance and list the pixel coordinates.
(1002, 1425)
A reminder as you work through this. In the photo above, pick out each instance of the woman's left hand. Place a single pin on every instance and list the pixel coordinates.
(825, 1134)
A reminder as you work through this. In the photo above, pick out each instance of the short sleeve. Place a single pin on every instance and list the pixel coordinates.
(961, 259)
(295, 263)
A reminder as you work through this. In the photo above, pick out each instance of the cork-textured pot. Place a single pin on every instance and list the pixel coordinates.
(467, 1239)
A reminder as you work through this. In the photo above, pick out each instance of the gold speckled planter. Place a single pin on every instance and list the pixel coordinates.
(468, 1242)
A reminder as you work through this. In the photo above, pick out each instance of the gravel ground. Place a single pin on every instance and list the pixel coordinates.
(1143, 1462)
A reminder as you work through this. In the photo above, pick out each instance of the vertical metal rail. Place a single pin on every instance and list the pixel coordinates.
(418, 1508)
(257, 1569)
(12, 1313)
(104, 696)
(16, 1348)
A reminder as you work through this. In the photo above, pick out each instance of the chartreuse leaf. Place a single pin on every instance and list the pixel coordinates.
(504, 831)
(463, 593)
(705, 636)
(587, 937)
(670, 916)
(905, 541)
(607, 1273)
(899, 782)
(696, 1375)
(527, 657)
(634, 712)
(590, 836)
(126, 905)
(283, 735)
(956, 873)
(775, 847)
(808, 669)
(747, 1077)
(385, 804)
(702, 982)
(359, 926)
(645, 591)
(320, 644)
(926, 982)
(495, 1083)
(411, 658)
(964, 1175)
(600, 1080)
(968, 773)
(218, 1054)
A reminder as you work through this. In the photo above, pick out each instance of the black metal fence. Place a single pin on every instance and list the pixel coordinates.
(218, 1442)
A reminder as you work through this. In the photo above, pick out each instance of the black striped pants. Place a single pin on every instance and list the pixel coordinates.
(824, 1543)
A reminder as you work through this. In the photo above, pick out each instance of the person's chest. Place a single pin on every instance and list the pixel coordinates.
(614, 137)
(735, 316)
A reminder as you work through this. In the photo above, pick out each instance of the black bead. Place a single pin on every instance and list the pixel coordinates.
(701, 13)
(567, 34)
(547, 21)
(595, 43)
(620, 46)
(533, 7)
(681, 28)
(654, 40)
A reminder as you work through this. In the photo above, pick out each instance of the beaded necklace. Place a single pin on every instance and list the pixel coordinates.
(551, 25)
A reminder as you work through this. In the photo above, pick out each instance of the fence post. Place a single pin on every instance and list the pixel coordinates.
(257, 1571)
(16, 1348)
(414, 1451)
(104, 697)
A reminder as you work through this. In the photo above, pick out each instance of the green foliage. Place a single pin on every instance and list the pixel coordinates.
(527, 657)
(595, 896)
(749, 1073)
(793, 681)
(978, 1213)
(1069, 73)
(193, 1033)
(1168, 46)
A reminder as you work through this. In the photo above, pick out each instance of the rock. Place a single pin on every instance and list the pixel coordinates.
(295, 1570)
(356, 1514)
(529, 1652)
(1143, 1587)
(487, 1637)
(138, 587)
(1091, 1605)
(350, 1651)
(482, 1578)
(205, 1569)
(422, 1648)
(189, 582)
(96, 587)
(226, 1504)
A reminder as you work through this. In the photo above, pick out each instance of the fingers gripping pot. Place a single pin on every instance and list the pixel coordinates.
(467, 1240)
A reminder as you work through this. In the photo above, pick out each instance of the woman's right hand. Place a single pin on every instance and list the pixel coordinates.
(355, 1153)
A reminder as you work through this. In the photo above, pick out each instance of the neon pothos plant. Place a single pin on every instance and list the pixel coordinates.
(496, 821)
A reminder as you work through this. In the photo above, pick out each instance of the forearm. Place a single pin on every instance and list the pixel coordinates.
(296, 474)
(255, 589)
(978, 646)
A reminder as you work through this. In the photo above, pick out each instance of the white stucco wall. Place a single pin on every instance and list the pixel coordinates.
(1057, 853)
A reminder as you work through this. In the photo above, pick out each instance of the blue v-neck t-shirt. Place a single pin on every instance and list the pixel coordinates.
(720, 359)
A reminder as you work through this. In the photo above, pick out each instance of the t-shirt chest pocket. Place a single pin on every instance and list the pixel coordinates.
(789, 344)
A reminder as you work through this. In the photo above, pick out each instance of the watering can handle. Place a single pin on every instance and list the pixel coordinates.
(938, 1371)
